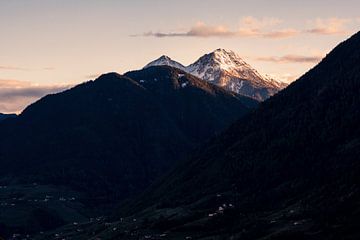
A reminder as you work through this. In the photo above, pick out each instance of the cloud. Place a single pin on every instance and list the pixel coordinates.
(48, 68)
(249, 27)
(15, 68)
(199, 30)
(261, 28)
(284, 77)
(15, 95)
(259, 23)
(286, 33)
(330, 26)
(291, 58)
(203, 30)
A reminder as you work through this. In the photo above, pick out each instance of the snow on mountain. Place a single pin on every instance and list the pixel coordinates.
(227, 69)
(165, 60)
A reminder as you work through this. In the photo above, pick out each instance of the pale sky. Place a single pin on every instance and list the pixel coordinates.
(46, 45)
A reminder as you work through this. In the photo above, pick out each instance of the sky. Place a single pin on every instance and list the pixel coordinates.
(50, 45)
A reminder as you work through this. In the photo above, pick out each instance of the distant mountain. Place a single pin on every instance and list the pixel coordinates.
(165, 61)
(108, 139)
(227, 69)
(289, 170)
(5, 116)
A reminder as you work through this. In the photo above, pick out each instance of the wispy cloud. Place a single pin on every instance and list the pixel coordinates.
(16, 68)
(48, 68)
(285, 33)
(284, 77)
(199, 30)
(291, 58)
(260, 28)
(259, 23)
(330, 26)
(15, 95)
(248, 27)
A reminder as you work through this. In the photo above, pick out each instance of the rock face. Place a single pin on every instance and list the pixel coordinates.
(228, 70)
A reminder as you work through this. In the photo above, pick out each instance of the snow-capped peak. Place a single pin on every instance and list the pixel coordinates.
(165, 61)
(227, 69)
(227, 57)
(223, 60)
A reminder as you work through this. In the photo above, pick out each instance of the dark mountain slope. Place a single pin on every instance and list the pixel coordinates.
(5, 116)
(290, 170)
(121, 121)
(110, 138)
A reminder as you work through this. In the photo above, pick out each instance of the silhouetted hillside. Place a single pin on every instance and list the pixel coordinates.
(290, 170)
(5, 116)
(110, 138)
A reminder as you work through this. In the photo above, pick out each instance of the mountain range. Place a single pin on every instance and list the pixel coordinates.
(175, 152)
(103, 141)
(288, 170)
(228, 70)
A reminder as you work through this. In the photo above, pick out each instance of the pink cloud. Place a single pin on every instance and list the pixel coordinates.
(291, 58)
(284, 77)
(261, 28)
(15, 68)
(330, 26)
(285, 33)
(259, 23)
(15, 95)
(199, 30)
(249, 27)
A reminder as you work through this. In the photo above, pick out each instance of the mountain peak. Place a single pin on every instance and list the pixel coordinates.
(165, 61)
(165, 58)
(227, 69)
(226, 59)
(225, 52)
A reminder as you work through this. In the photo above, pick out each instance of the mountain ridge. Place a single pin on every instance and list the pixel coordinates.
(106, 140)
(271, 175)
(228, 70)
(165, 61)
(4, 116)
